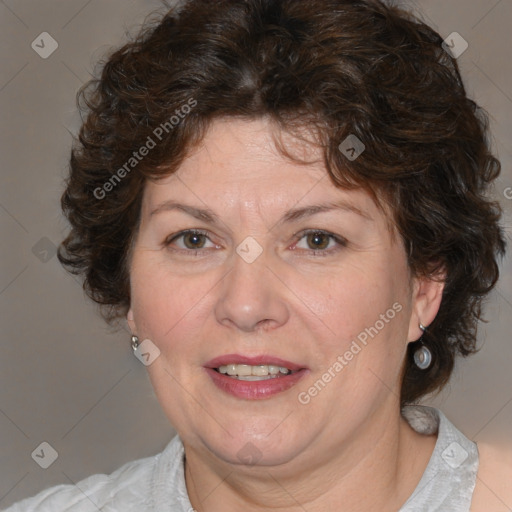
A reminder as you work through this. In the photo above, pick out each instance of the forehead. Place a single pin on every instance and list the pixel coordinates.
(240, 164)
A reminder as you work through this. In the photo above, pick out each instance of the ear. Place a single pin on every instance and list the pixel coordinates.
(426, 300)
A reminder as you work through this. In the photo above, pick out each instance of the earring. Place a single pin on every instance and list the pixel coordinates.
(135, 342)
(423, 356)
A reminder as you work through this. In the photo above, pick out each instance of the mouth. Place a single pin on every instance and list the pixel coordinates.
(254, 378)
(253, 373)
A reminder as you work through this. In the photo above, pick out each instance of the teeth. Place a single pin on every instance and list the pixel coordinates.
(273, 370)
(247, 371)
(259, 370)
(255, 377)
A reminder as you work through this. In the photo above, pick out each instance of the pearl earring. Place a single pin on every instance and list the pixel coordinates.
(423, 356)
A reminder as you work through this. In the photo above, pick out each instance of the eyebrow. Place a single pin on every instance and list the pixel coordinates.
(293, 215)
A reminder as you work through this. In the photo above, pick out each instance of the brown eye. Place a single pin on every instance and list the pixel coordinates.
(318, 240)
(194, 240)
(189, 240)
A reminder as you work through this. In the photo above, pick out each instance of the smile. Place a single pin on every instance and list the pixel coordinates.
(253, 373)
(253, 378)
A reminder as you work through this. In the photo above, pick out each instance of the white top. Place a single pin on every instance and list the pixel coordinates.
(157, 483)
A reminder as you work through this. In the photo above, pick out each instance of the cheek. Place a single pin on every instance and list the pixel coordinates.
(164, 303)
(356, 298)
(366, 310)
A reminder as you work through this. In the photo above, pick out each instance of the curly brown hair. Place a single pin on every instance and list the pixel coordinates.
(335, 67)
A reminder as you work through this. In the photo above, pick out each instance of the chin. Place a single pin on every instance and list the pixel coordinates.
(261, 445)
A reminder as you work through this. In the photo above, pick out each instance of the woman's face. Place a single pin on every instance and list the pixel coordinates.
(275, 280)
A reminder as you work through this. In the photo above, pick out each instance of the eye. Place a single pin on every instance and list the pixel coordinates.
(191, 239)
(320, 242)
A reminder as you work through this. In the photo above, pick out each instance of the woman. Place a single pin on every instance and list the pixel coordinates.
(287, 201)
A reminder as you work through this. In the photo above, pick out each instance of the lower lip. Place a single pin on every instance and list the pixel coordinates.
(255, 390)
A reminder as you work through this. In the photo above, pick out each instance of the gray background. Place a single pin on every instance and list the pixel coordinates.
(65, 378)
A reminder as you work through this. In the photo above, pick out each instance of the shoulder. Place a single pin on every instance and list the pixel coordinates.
(493, 489)
(128, 489)
(96, 492)
(449, 478)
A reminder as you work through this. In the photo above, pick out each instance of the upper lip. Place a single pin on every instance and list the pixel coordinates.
(267, 360)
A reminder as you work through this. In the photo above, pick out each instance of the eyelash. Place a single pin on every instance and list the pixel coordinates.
(316, 252)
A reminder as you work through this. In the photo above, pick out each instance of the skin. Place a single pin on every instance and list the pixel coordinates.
(493, 491)
(195, 305)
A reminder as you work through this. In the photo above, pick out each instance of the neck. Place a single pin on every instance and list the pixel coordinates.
(373, 470)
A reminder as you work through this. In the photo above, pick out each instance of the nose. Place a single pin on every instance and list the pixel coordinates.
(252, 297)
